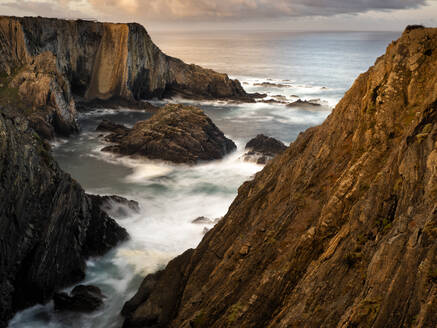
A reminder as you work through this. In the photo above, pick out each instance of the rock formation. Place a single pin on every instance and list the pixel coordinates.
(176, 133)
(96, 61)
(83, 298)
(261, 149)
(338, 231)
(48, 225)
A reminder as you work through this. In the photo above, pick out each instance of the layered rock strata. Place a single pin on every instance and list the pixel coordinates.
(48, 225)
(338, 231)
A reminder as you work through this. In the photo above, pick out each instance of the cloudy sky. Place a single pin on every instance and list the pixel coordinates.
(239, 14)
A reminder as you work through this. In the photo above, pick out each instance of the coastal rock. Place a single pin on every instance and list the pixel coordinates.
(48, 225)
(261, 149)
(175, 133)
(342, 226)
(52, 59)
(304, 103)
(116, 206)
(271, 85)
(83, 298)
(202, 220)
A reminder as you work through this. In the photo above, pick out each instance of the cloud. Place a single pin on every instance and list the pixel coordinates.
(204, 10)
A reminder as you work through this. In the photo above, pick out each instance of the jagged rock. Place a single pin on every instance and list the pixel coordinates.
(342, 226)
(202, 220)
(261, 149)
(115, 205)
(101, 63)
(176, 133)
(83, 298)
(271, 85)
(48, 225)
(304, 103)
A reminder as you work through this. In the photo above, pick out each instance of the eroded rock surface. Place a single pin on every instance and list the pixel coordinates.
(83, 298)
(175, 133)
(48, 225)
(338, 231)
(111, 63)
(261, 149)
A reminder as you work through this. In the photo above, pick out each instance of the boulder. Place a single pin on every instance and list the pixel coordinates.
(175, 133)
(83, 298)
(262, 148)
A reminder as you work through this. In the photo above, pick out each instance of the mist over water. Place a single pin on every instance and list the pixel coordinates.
(308, 65)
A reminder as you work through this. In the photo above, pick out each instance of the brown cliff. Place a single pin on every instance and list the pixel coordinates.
(338, 231)
(101, 61)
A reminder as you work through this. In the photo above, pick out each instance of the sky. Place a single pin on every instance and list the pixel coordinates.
(177, 15)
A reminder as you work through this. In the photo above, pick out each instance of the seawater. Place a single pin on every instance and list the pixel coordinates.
(309, 66)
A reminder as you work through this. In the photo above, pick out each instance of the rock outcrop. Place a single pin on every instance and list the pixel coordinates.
(338, 231)
(83, 298)
(175, 133)
(48, 225)
(97, 61)
(262, 149)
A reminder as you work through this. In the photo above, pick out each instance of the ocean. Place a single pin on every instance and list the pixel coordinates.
(317, 66)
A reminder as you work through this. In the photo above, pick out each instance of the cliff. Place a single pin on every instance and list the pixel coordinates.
(48, 225)
(101, 61)
(338, 231)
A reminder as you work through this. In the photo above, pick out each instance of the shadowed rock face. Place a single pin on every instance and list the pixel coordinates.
(176, 133)
(48, 225)
(340, 230)
(101, 61)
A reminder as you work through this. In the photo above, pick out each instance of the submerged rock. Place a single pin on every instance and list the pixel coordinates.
(83, 298)
(176, 133)
(48, 225)
(338, 231)
(261, 149)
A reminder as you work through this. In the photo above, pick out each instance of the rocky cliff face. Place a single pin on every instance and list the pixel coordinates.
(338, 231)
(48, 225)
(100, 61)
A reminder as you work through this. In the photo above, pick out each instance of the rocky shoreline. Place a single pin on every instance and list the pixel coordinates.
(48, 225)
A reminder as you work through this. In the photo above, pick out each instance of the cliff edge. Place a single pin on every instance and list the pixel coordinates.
(48, 225)
(95, 60)
(338, 231)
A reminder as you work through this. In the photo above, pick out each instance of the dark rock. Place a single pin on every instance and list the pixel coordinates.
(176, 133)
(202, 220)
(109, 126)
(271, 85)
(83, 105)
(338, 231)
(115, 205)
(304, 103)
(48, 225)
(262, 148)
(83, 298)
